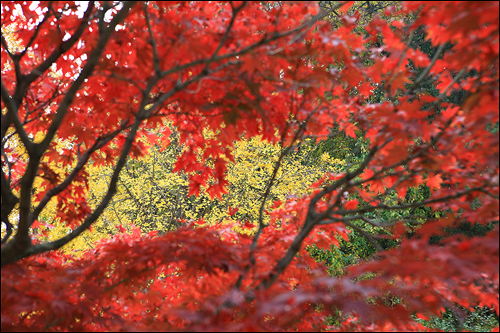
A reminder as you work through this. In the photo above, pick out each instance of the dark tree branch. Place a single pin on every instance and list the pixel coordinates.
(388, 223)
(37, 30)
(226, 34)
(21, 244)
(101, 142)
(370, 238)
(412, 205)
(9, 201)
(84, 74)
(312, 219)
(247, 49)
(25, 80)
(424, 74)
(12, 118)
(18, 249)
(156, 60)
(9, 256)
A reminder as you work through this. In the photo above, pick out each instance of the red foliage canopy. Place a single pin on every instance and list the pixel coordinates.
(99, 77)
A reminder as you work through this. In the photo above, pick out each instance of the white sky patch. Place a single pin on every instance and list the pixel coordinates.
(82, 7)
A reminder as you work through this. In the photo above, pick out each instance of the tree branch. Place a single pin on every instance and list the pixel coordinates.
(20, 246)
(8, 256)
(312, 219)
(12, 108)
(84, 74)
(69, 179)
(63, 48)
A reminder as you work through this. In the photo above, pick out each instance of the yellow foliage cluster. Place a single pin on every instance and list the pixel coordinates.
(255, 161)
(152, 197)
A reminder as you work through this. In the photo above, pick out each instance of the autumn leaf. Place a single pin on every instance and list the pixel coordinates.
(351, 204)
(434, 181)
